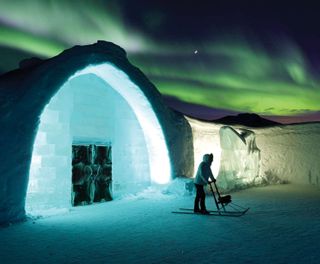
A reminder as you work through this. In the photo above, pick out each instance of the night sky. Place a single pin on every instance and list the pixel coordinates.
(208, 58)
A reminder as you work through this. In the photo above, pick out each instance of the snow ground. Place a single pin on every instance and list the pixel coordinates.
(282, 226)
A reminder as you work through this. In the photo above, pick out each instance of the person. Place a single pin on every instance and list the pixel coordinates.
(202, 178)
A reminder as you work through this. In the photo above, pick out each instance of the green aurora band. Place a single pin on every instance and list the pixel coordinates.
(232, 73)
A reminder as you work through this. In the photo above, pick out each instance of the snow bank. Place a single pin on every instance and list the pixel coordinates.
(176, 188)
(290, 153)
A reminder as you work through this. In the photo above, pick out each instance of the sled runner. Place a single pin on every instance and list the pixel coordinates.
(235, 213)
(221, 203)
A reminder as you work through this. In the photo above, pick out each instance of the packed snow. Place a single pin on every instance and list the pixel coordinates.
(282, 226)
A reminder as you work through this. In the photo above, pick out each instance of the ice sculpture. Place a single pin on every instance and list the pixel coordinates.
(240, 158)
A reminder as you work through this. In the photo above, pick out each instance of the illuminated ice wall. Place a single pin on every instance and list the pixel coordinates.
(86, 110)
(236, 161)
(206, 140)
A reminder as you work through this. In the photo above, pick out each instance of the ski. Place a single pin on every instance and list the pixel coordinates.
(215, 213)
(189, 212)
(221, 212)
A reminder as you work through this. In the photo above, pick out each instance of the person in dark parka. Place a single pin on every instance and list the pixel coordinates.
(203, 175)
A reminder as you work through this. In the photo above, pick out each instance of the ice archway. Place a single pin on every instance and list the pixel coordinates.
(160, 169)
(41, 121)
(98, 104)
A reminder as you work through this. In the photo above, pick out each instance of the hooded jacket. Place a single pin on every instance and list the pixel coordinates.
(204, 171)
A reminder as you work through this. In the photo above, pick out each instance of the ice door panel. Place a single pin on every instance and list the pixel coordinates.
(91, 174)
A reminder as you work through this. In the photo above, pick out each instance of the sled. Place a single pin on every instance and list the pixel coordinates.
(221, 203)
(224, 201)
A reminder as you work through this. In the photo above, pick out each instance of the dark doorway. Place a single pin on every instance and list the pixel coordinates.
(91, 174)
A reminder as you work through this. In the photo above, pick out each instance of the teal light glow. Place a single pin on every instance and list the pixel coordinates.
(115, 112)
(159, 163)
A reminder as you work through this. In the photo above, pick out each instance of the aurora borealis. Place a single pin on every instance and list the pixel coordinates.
(204, 60)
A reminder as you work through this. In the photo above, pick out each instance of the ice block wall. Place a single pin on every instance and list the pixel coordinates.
(86, 110)
(49, 178)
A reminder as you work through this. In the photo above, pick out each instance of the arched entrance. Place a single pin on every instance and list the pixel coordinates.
(98, 106)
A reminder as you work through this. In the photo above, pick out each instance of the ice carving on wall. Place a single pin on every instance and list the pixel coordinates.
(240, 158)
